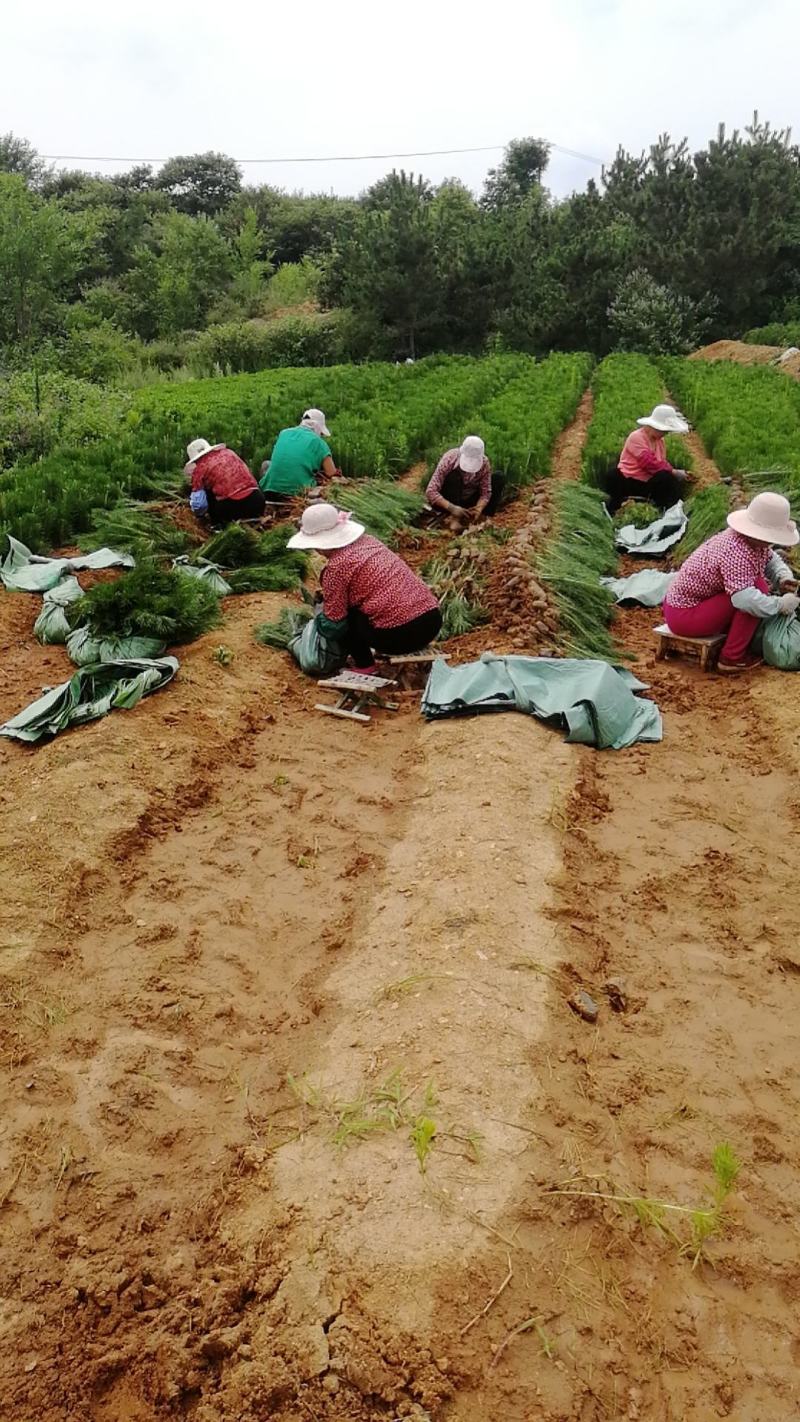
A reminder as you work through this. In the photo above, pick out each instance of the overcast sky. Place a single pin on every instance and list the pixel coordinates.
(258, 80)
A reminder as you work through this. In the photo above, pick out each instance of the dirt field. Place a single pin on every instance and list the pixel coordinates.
(251, 954)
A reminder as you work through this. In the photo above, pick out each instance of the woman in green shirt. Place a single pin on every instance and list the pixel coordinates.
(301, 459)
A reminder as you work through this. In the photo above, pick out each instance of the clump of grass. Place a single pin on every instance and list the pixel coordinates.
(258, 562)
(383, 508)
(686, 1227)
(150, 602)
(708, 511)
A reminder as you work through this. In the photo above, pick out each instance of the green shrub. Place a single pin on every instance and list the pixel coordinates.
(238, 346)
(38, 413)
(148, 602)
(293, 283)
(777, 334)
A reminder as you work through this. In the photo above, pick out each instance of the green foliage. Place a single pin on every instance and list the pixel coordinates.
(456, 579)
(131, 527)
(580, 550)
(749, 417)
(522, 169)
(382, 508)
(39, 412)
(259, 562)
(294, 340)
(778, 333)
(200, 184)
(294, 284)
(148, 602)
(652, 318)
(625, 388)
(40, 254)
(279, 634)
(708, 511)
(637, 512)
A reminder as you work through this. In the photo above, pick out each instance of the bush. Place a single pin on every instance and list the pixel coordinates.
(240, 346)
(38, 413)
(148, 602)
(656, 320)
(778, 333)
(293, 284)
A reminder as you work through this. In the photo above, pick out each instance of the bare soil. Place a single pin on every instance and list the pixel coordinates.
(235, 931)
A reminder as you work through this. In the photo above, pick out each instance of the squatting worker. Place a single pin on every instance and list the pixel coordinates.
(463, 483)
(300, 459)
(643, 470)
(222, 485)
(725, 585)
(371, 600)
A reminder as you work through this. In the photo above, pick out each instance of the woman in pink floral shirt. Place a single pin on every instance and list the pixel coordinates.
(725, 585)
(372, 600)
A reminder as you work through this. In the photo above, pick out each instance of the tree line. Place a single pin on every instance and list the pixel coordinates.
(665, 249)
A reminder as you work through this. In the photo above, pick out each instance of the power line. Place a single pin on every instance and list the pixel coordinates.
(328, 158)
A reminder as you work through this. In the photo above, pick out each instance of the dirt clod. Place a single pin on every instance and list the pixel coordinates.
(584, 1005)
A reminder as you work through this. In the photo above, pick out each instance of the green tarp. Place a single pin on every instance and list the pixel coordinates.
(780, 642)
(84, 649)
(52, 624)
(657, 537)
(592, 701)
(23, 571)
(648, 587)
(91, 693)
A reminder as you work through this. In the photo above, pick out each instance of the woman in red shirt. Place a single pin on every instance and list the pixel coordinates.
(643, 470)
(372, 601)
(726, 584)
(222, 485)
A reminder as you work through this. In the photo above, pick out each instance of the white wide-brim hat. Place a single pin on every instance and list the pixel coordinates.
(472, 454)
(199, 447)
(767, 518)
(324, 526)
(666, 420)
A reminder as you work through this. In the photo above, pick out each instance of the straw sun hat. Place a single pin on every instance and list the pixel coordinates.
(199, 447)
(666, 420)
(323, 526)
(767, 518)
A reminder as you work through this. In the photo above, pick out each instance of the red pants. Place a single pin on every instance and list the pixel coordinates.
(716, 615)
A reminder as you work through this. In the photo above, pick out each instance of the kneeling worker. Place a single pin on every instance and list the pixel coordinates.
(643, 471)
(222, 485)
(300, 460)
(372, 600)
(463, 484)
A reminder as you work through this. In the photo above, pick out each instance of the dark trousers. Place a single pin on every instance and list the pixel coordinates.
(363, 639)
(453, 490)
(222, 511)
(663, 490)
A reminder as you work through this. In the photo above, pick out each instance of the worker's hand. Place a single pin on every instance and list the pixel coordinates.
(788, 585)
(457, 512)
(477, 513)
(680, 473)
(788, 604)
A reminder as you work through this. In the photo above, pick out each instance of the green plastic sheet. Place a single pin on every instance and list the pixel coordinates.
(593, 702)
(780, 642)
(52, 625)
(647, 587)
(23, 571)
(658, 537)
(84, 649)
(91, 693)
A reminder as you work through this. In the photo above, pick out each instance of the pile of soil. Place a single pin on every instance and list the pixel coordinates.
(744, 354)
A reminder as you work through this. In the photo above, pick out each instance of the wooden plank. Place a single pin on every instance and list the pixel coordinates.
(338, 711)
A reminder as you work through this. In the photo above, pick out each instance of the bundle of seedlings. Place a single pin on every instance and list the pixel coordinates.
(132, 527)
(150, 602)
(636, 513)
(456, 577)
(383, 508)
(708, 511)
(279, 634)
(256, 562)
(579, 553)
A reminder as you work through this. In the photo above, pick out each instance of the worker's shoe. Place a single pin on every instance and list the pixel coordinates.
(745, 663)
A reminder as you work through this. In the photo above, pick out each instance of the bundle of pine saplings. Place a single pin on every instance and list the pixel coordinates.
(256, 562)
(580, 550)
(279, 634)
(637, 513)
(137, 528)
(383, 508)
(150, 602)
(456, 578)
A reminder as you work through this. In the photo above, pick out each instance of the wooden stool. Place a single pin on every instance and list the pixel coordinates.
(355, 692)
(412, 669)
(706, 650)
